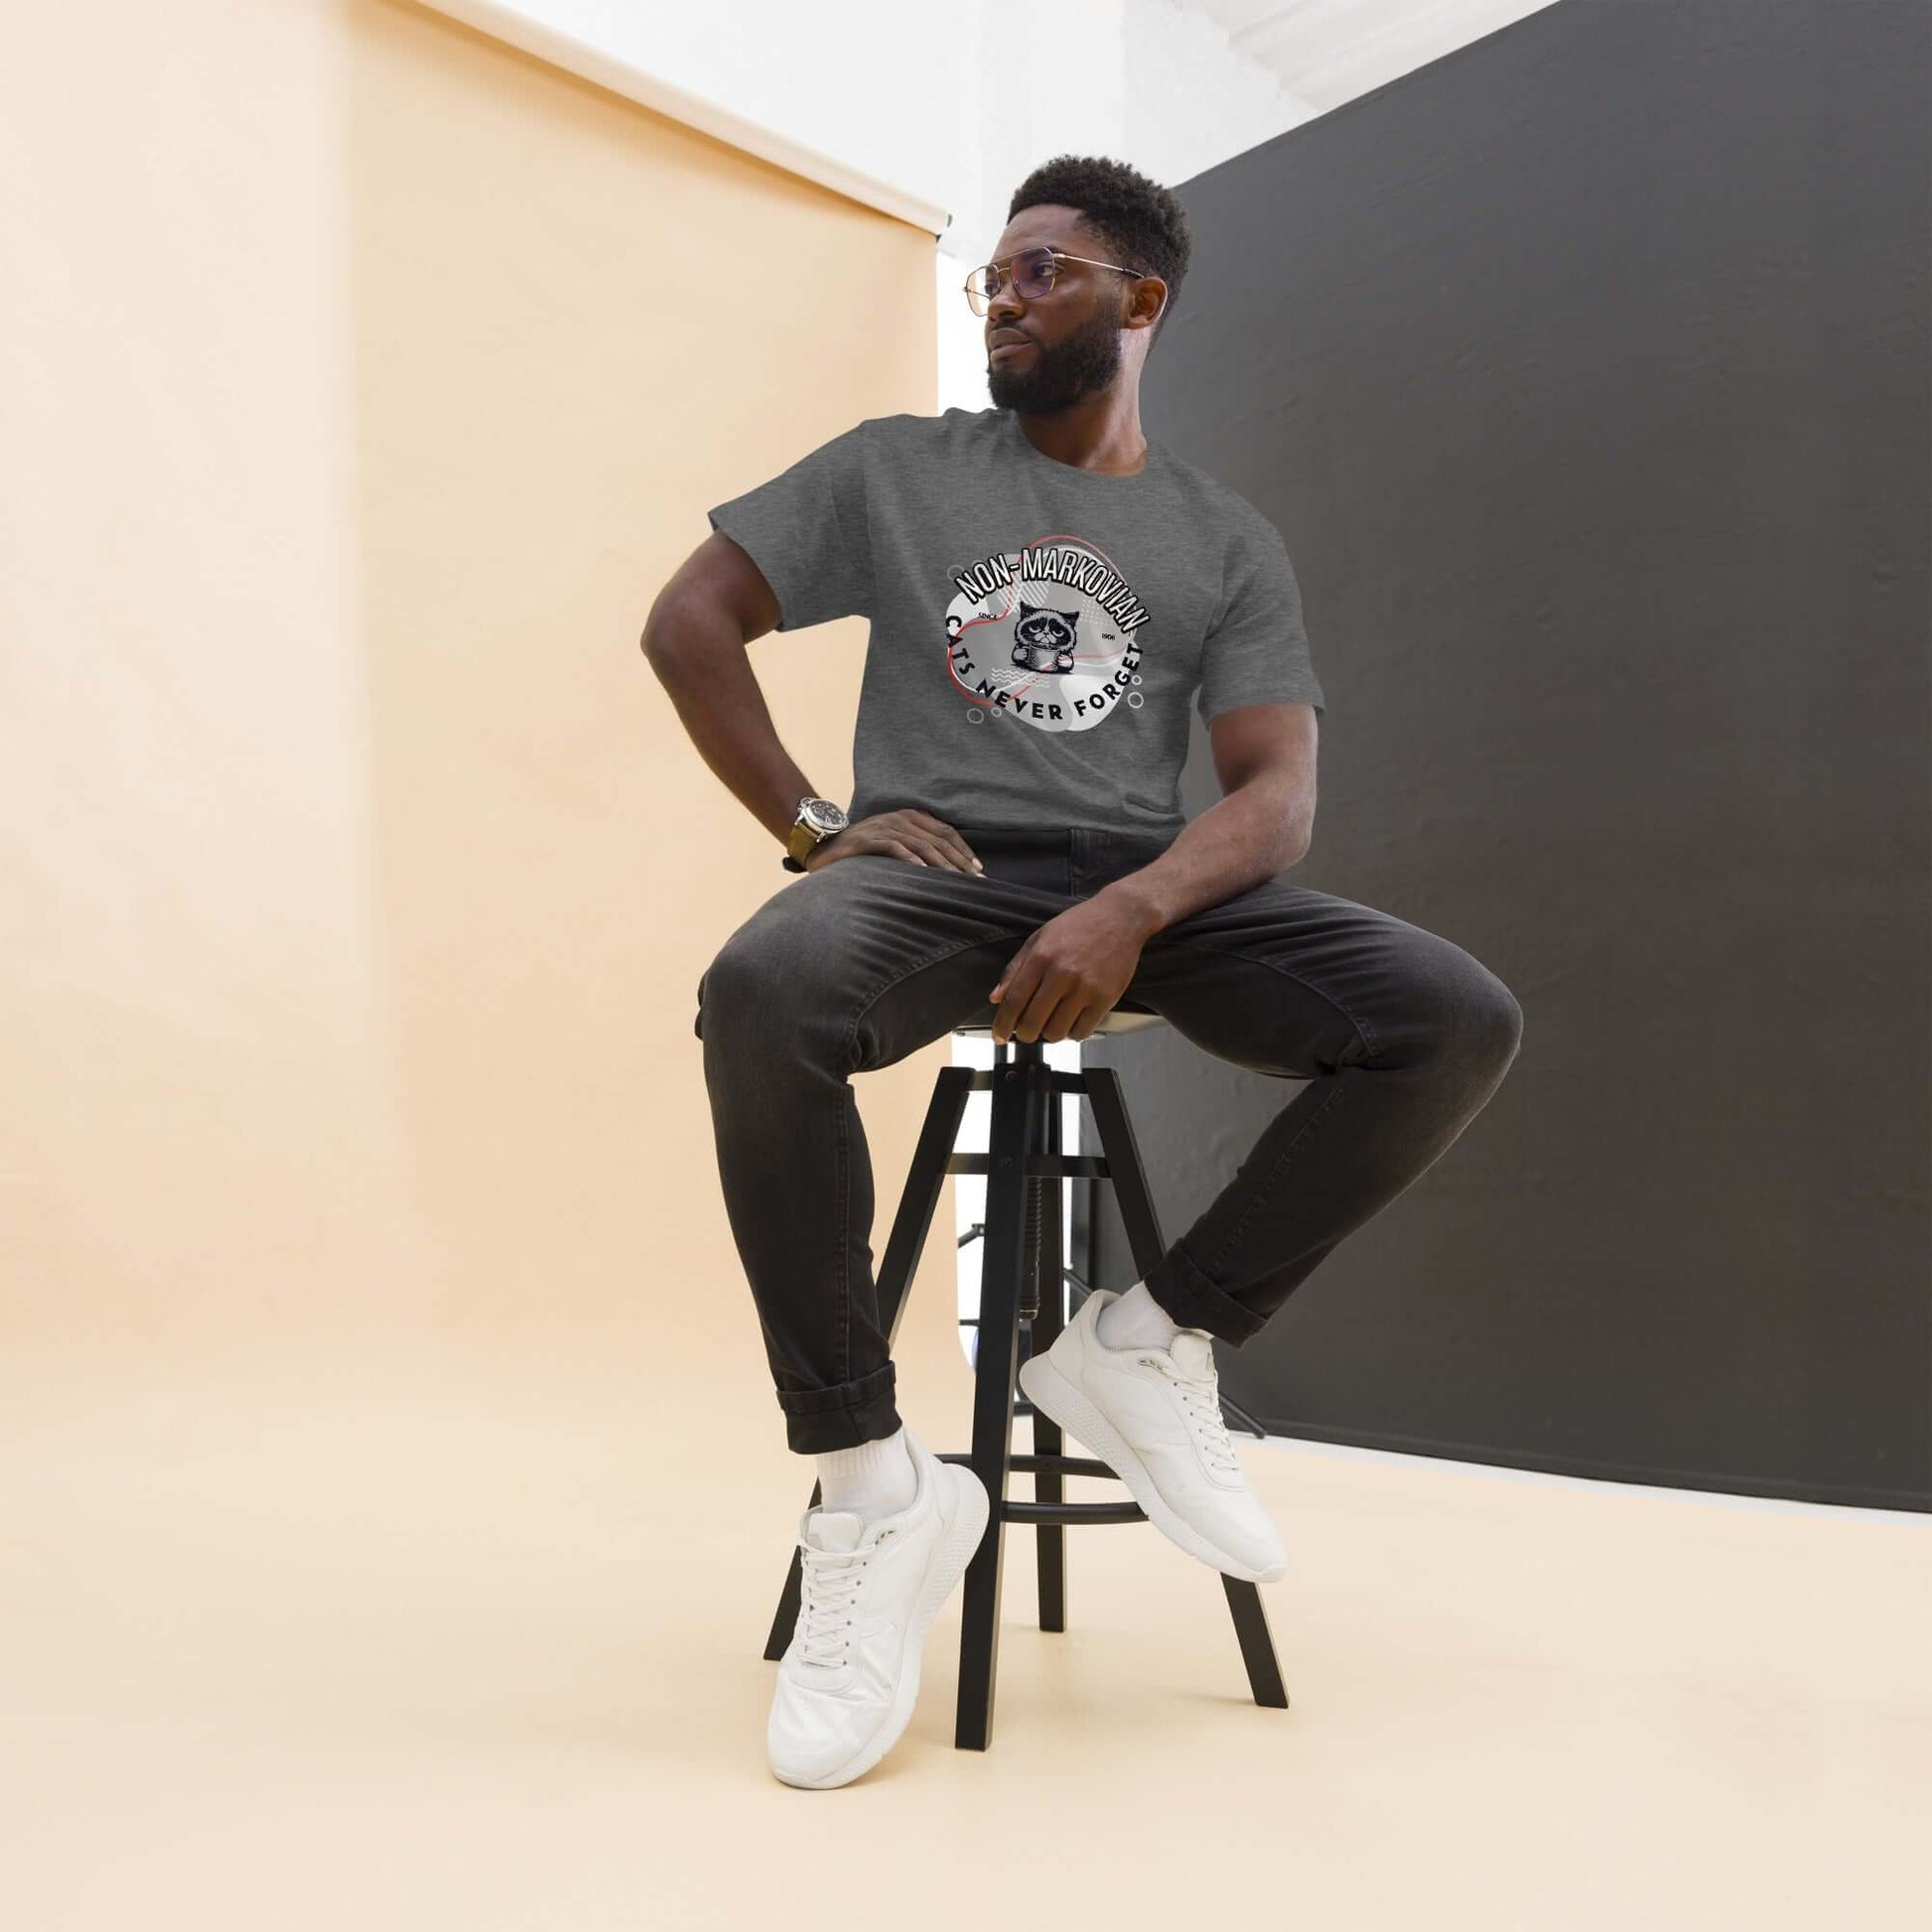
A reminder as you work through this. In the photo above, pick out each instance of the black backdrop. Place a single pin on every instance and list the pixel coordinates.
(1585, 373)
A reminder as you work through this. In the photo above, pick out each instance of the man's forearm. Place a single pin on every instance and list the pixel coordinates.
(699, 658)
(1252, 834)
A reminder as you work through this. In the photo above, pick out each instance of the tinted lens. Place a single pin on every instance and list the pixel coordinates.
(1033, 276)
(1033, 272)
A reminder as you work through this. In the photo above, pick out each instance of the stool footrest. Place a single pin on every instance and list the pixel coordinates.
(1014, 1510)
(1023, 1464)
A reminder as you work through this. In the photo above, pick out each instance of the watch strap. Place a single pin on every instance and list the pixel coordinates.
(800, 843)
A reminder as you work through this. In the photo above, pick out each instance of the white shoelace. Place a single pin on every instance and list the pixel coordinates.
(830, 1593)
(1202, 1400)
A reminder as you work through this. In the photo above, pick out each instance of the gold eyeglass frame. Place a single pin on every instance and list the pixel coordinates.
(1057, 257)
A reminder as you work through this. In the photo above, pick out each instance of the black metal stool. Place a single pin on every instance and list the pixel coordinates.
(1023, 1286)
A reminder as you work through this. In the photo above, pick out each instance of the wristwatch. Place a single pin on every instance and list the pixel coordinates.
(818, 820)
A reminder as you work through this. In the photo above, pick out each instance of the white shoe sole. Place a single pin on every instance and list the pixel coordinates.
(1054, 1396)
(958, 1542)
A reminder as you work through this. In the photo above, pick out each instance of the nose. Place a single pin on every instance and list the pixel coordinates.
(1005, 307)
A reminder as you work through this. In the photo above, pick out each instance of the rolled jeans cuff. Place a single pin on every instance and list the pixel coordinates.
(1194, 1301)
(841, 1417)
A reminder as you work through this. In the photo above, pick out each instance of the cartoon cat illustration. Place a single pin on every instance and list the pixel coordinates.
(1043, 640)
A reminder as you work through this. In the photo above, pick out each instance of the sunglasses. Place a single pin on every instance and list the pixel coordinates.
(1034, 271)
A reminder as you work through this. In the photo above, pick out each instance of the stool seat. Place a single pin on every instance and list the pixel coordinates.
(1122, 1019)
(1024, 1284)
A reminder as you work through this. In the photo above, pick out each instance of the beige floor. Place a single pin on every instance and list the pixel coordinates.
(420, 1633)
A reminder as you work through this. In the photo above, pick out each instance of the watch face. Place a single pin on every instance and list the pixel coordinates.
(822, 814)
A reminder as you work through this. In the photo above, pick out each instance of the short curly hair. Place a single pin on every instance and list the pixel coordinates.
(1134, 216)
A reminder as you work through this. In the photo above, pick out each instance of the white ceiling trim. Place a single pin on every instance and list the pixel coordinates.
(591, 62)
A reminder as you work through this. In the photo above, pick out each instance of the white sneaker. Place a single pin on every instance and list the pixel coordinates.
(1153, 1417)
(850, 1677)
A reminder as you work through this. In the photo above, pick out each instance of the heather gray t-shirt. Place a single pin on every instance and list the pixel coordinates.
(1039, 631)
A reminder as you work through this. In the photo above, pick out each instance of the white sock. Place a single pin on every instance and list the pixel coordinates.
(1137, 1321)
(875, 1480)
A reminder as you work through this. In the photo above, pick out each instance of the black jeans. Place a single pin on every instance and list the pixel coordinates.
(1400, 1036)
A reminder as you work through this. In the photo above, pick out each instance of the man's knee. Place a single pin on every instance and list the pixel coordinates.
(1506, 1018)
(1487, 1017)
(1463, 1010)
(772, 980)
(741, 977)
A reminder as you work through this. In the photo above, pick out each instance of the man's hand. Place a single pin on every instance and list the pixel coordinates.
(910, 833)
(1065, 979)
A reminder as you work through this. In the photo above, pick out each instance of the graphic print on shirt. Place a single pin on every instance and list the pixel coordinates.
(1047, 633)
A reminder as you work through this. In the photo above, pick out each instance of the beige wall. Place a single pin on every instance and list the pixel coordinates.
(370, 379)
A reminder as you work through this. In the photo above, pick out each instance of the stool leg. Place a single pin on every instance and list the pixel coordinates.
(924, 1182)
(1050, 1299)
(1135, 1203)
(1016, 1092)
(1257, 1646)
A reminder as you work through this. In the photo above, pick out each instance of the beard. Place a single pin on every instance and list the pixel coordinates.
(1081, 365)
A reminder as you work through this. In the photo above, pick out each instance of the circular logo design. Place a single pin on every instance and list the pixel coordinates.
(1046, 633)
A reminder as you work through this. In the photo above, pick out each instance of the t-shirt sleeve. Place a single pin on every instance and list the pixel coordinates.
(807, 532)
(1258, 651)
